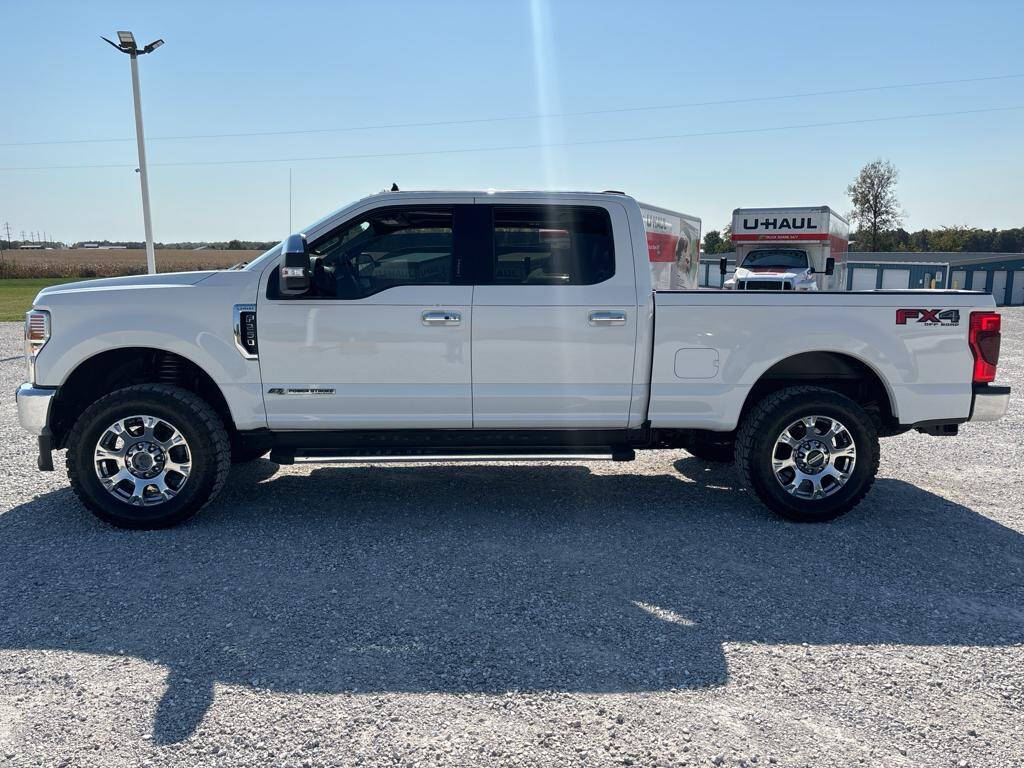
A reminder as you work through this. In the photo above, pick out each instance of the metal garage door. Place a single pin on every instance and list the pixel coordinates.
(895, 278)
(863, 279)
(958, 279)
(1018, 287)
(999, 286)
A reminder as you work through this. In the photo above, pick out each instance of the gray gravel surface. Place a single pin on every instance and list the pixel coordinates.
(564, 614)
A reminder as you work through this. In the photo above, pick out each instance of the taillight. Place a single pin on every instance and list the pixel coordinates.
(983, 337)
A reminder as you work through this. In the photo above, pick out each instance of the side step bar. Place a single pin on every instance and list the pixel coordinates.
(474, 455)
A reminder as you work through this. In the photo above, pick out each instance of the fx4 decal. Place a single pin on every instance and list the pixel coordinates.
(944, 317)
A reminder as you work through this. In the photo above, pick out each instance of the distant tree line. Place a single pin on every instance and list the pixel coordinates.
(954, 238)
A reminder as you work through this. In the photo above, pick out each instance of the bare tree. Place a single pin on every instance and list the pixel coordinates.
(875, 207)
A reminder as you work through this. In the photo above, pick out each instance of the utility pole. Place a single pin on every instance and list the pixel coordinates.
(126, 44)
(289, 201)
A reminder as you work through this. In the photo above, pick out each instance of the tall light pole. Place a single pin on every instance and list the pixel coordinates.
(126, 44)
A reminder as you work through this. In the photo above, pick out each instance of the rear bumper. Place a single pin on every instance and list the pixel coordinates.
(34, 407)
(989, 402)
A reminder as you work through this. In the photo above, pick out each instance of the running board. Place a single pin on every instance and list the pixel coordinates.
(476, 455)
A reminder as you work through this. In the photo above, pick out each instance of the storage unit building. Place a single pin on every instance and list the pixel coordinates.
(1001, 274)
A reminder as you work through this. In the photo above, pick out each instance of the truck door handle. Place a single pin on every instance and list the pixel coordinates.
(441, 318)
(604, 317)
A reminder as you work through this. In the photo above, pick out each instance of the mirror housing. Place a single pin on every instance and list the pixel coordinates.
(723, 265)
(294, 269)
(830, 266)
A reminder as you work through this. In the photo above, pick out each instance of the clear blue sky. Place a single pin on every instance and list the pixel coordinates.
(230, 67)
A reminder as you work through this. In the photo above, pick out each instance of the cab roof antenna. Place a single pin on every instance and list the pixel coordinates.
(394, 186)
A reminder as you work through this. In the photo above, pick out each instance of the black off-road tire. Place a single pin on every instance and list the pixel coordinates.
(200, 425)
(719, 449)
(755, 446)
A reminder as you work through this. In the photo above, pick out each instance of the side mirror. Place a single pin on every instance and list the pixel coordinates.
(294, 269)
(830, 266)
(723, 265)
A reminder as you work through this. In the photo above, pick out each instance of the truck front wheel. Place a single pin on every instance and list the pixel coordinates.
(809, 453)
(148, 456)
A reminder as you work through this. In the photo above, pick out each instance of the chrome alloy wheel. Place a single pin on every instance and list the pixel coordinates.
(814, 457)
(142, 460)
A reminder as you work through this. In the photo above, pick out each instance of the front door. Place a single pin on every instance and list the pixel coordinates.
(381, 339)
(554, 318)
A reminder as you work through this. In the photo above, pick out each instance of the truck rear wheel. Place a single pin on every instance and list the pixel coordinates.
(148, 456)
(809, 453)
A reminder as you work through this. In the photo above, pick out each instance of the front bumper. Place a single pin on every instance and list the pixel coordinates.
(34, 407)
(989, 402)
(34, 414)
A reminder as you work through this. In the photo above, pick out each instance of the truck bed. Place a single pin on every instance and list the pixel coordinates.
(710, 347)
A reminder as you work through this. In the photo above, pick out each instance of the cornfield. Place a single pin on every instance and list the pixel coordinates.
(89, 262)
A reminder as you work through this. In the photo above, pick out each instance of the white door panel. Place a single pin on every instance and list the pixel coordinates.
(999, 286)
(544, 366)
(540, 360)
(1018, 287)
(895, 278)
(864, 278)
(369, 363)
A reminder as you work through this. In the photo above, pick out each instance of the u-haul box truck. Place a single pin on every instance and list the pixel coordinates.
(789, 249)
(673, 244)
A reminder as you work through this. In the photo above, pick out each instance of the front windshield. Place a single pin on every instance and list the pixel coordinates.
(786, 258)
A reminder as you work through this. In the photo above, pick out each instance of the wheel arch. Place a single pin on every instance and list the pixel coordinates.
(853, 376)
(120, 367)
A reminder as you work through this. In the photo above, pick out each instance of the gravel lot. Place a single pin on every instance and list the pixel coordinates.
(564, 614)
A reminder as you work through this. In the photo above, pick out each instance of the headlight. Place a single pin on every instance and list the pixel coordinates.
(37, 333)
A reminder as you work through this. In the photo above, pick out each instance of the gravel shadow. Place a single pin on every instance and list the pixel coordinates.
(494, 578)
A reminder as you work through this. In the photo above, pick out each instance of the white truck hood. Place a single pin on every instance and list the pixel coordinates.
(762, 274)
(131, 281)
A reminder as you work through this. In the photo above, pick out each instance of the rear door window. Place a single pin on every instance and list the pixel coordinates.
(551, 245)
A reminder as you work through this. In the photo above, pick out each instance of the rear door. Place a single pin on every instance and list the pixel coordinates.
(554, 317)
(382, 338)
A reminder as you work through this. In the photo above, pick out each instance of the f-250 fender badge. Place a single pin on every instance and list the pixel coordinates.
(299, 391)
(944, 317)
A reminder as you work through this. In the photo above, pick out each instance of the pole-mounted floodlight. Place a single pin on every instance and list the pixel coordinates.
(126, 44)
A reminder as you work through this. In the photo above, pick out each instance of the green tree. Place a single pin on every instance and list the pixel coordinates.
(718, 242)
(876, 209)
(712, 242)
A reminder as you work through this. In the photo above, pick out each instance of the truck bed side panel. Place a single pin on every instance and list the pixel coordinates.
(710, 348)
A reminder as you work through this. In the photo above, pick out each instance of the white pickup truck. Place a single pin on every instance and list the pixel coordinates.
(473, 325)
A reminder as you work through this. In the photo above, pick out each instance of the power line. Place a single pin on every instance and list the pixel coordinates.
(510, 147)
(509, 118)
